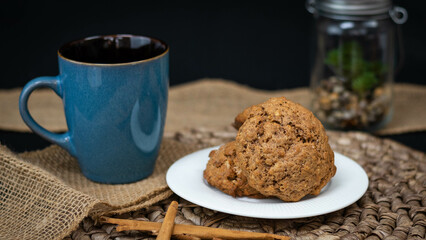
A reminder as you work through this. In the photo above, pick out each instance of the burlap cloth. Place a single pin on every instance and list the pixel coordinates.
(213, 103)
(43, 195)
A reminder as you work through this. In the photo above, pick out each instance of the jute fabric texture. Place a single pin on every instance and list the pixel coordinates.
(43, 194)
(211, 103)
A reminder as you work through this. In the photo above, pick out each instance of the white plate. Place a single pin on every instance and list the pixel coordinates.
(185, 178)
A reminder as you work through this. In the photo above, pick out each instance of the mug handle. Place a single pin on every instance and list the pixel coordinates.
(54, 83)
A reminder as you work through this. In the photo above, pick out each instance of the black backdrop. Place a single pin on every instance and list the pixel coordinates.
(263, 44)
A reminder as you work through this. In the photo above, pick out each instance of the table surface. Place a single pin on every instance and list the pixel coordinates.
(20, 142)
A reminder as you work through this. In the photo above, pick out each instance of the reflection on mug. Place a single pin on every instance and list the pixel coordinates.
(145, 127)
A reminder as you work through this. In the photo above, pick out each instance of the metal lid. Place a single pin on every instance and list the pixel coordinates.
(357, 8)
(354, 7)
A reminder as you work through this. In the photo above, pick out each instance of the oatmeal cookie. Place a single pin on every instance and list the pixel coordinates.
(242, 117)
(283, 150)
(222, 173)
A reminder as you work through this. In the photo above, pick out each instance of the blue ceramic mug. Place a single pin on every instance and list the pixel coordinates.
(114, 90)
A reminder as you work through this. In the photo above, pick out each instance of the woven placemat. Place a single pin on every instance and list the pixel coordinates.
(44, 196)
(392, 208)
(211, 103)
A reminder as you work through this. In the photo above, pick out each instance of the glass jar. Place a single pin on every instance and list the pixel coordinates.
(353, 66)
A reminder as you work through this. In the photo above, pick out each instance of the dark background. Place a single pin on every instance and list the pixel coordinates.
(263, 44)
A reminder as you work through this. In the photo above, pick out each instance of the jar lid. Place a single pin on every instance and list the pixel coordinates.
(354, 7)
(357, 9)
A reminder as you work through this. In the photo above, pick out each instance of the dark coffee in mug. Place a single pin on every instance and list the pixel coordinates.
(113, 49)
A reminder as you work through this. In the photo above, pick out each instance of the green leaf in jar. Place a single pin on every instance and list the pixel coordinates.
(364, 82)
(347, 59)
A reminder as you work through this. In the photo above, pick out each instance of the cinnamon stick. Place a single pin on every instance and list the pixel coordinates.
(168, 222)
(196, 231)
(186, 237)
